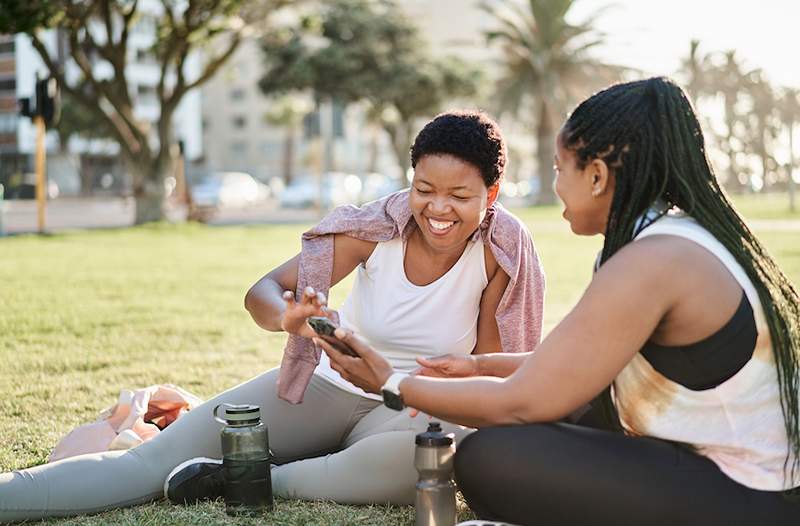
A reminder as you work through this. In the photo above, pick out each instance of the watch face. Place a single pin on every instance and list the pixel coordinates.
(393, 400)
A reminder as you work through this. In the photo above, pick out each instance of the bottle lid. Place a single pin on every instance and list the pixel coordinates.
(434, 436)
(239, 414)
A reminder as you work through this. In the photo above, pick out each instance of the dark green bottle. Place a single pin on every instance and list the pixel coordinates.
(245, 460)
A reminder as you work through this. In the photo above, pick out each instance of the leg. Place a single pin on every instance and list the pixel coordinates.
(564, 474)
(95, 482)
(376, 466)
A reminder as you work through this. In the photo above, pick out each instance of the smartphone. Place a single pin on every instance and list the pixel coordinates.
(322, 325)
(325, 327)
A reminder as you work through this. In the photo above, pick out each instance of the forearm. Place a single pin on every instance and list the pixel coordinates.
(265, 304)
(501, 365)
(472, 402)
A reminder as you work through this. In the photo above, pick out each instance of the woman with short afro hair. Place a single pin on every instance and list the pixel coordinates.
(441, 267)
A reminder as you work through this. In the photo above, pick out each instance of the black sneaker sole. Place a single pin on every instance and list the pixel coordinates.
(195, 480)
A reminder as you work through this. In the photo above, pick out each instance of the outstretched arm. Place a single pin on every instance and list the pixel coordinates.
(274, 310)
(619, 311)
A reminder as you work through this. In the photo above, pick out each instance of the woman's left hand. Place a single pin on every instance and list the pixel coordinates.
(369, 371)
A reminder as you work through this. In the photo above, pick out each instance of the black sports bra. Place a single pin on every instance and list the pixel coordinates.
(713, 360)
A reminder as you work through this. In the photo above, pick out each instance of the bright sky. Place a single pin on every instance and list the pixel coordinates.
(654, 35)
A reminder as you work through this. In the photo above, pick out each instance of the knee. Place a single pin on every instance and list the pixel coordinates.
(494, 452)
(470, 463)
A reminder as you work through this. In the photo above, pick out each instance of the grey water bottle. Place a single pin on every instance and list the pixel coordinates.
(436, 492)
(245, 460)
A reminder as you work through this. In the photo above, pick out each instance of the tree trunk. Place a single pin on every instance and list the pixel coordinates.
(545, 139)
(148, 189)
(372, 162)
(401, 144)
(288, 154)
(791, 169)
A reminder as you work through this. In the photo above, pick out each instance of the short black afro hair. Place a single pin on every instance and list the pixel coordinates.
(471, 136)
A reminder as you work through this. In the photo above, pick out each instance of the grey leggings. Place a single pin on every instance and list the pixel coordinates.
(335, 445)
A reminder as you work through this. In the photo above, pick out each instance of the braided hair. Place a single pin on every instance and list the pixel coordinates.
(648, 134)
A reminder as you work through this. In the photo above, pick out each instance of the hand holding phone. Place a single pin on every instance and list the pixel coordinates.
(325, 328)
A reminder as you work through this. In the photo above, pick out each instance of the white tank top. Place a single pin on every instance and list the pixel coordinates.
(738, 424)
(403, 321)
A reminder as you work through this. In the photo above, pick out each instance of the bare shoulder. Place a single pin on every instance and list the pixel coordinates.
(493, 269)
(351, 248)
(663, 267)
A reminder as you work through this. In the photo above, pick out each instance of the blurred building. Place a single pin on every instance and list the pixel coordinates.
(9, 157)
(92, 162)
(239, 134)
(242, 129)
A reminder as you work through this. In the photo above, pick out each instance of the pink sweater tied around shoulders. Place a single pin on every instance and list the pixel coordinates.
(519, 314)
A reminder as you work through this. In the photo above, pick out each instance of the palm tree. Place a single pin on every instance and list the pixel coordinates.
(546, 68)
(763, 120)
(789, 108)
(728, 80)
(696, 69)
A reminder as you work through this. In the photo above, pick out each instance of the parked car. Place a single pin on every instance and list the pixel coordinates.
(335, 189)
(24, 187)
(302, 192)
(228, 190)
(378, 185)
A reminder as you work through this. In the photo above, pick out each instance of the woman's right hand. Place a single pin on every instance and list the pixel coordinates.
(448, 366)
(294, 318)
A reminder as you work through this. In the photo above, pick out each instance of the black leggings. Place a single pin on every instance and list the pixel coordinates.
(574, 475)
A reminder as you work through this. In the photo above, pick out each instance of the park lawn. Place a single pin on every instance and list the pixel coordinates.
(85, 314)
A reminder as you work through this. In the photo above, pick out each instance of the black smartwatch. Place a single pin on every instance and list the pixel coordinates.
(391, 392)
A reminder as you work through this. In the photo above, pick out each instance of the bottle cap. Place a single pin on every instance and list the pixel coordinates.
(237, 414)
(434, 436)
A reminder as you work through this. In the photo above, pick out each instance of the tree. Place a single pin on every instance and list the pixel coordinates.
(288, 113)
(789, 110)
(366, 51)
(99, 46)
(547, 67)
(762, 123)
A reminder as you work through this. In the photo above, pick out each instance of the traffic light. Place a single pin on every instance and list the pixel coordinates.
(46, 102)
(25, 108)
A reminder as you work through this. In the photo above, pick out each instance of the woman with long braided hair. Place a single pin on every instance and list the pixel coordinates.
(686, 343)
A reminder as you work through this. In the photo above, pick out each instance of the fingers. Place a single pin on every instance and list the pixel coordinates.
(335, 354)
(312, 303)
(354, 342)
(413, 412)
(288, 297)
(435, 361)
(312, 297)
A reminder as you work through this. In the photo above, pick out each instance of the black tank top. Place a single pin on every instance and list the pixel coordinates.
(709, 362)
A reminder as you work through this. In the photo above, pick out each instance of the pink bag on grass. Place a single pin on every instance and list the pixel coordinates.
(137, 417)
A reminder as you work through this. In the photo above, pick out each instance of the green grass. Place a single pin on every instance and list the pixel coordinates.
(767, 206)
(85, 314)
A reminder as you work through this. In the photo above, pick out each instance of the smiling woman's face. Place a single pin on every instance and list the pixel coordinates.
(448, 200)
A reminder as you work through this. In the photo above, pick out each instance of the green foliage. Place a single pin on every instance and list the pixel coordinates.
(547, 67)
(25, 16)
(366, 50)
